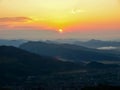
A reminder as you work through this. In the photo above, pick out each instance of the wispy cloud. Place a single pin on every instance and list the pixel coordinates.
(21, 23)
(15, 19)
(13, 22)
(77, 11)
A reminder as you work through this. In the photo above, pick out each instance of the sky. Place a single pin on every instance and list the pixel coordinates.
(59, 19)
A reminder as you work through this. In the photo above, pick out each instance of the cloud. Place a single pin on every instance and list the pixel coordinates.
(13, 22)
(15, 19)
(76, 11)
(21, 23)
(107, 48)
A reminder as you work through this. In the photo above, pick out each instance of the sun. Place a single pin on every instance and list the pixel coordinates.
(60, 30)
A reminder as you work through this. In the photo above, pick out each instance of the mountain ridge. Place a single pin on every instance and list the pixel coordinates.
(67, 51)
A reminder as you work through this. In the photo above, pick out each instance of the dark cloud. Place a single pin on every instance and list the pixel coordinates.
(15, 19)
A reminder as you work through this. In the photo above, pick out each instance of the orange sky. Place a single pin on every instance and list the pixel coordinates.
(68, 15)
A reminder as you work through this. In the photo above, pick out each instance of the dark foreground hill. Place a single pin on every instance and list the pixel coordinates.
(17, 65)
(22, 70)
(69, 52)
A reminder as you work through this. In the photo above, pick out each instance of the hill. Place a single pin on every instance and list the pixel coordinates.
(69, 52)
(18, 65)
(93, 43)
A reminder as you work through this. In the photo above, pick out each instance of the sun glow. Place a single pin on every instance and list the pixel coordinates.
(60, 31)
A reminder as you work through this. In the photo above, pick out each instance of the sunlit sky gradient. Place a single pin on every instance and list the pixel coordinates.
(84, 19)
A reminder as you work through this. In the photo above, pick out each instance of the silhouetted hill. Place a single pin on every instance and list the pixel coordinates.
(22, 70)
(16, 65)
(68, 52)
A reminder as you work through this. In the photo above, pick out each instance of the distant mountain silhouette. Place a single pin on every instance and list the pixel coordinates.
(93, 43)
(15, 43)
(68, 52)
(98, 43)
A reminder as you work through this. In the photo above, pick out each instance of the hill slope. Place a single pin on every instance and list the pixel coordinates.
(17, 65)
(68, 52)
